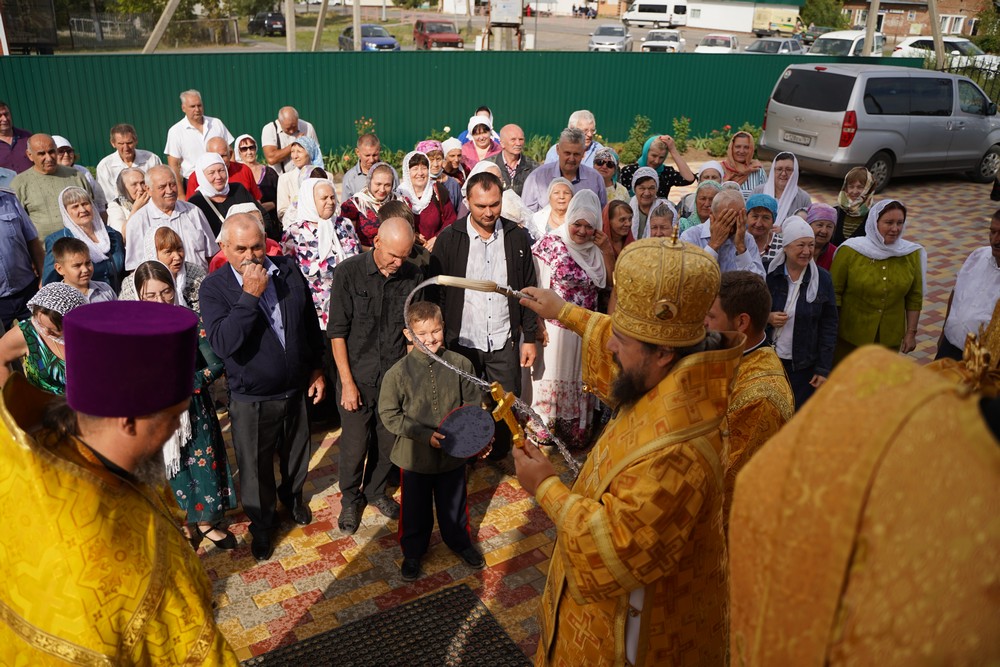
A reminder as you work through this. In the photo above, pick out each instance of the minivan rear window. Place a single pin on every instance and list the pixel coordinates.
(815, 90)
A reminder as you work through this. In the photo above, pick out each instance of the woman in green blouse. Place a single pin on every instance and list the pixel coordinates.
(879, 281)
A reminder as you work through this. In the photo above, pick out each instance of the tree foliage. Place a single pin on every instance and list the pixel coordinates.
(824, 13)
(988, 29)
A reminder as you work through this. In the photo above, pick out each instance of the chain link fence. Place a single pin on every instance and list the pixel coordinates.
(106, 31)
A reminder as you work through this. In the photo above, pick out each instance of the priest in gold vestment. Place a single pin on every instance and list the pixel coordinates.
(866, 532)
(638, 571)
(93, 567)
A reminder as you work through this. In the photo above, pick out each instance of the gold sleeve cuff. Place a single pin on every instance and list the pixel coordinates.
(575, 318)
(551, 495)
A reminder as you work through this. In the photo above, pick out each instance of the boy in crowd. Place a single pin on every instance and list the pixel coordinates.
(417, 394)
(72, 261)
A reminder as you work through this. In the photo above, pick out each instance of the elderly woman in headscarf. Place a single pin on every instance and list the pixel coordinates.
(553, 215)
(195, 454)
(853, 203)
(436, 162)
(165, 246)
(429, 201)
(570, 262)
(741, 166)
(264, 176)
(307, 160)
(783, 184)
(703, 197)
(606, 164)
(362, 208)
(823, 220)
(761, 211)
(39, 341)
(81, 221)
(662, 219)
(710, 171)
(481, 144)
(215, 193)
(654, 156)
(880, 282)
(803, 319)
(319, 240)
(644, 183)
(132, 196)
(453, 167)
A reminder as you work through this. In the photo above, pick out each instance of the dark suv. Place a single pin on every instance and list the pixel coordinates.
(267, 23)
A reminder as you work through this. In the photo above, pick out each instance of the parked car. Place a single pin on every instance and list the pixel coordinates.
(610, 37)
(717, 43)
(657, 13)
(668, 41)
(267, 23)
(894, 120)
(809, 36)
(437, 36)
(373, 38)
(775, 45)
(959, 51)
(845, 43)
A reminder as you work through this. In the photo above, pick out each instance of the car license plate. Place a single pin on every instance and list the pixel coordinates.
(797, 139)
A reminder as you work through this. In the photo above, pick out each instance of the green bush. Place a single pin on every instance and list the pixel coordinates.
(632, 148)
(537, 147)
(682, 131)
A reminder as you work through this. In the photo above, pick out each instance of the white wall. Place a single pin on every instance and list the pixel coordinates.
(721, 16)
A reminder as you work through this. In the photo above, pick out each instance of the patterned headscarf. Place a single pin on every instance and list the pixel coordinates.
(311, 147)
(58, 297)
(608, 153)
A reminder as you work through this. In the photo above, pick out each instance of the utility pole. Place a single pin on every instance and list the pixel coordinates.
(939, 57)
(161, 26)
(356, 23)
(290, 26)
(318, 35)
(870, 26)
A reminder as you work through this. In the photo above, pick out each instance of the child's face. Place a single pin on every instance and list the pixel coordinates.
(76, 270)
(429, 332)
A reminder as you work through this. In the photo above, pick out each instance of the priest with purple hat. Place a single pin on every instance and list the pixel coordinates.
(93, 566)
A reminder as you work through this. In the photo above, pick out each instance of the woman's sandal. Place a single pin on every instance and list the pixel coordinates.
(227, 542)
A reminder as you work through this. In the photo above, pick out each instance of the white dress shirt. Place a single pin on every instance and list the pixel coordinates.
(977, 288)
(184, 141)
(727, 258)
(112, 165)
(186, 219)
(486, 315)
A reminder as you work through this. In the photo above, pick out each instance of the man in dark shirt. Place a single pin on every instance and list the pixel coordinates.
(366, 332)
(13, 142)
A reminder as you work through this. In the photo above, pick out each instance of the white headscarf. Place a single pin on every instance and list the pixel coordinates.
(873, 246)
(640, 173)
(417, 204)
(713, 164)
(479, 120)
(796, 228)
(450, 144)
(326, 235)
(204, 161)
(540, 219)
(180, 280)
(364, 198)
(236, 148)
(787, 199)
(99, 250)
(585, 206)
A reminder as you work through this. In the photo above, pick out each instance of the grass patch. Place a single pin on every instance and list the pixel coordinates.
(332, 29)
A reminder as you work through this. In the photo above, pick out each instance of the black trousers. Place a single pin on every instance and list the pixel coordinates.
(259, 429)
(503, 366)
(15, 306)
(365, 447)
(423, 496)
(948, 351)
(799, 381)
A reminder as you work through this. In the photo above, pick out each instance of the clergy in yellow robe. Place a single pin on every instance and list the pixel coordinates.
(638, 573)
(866, 531)
(93, 567)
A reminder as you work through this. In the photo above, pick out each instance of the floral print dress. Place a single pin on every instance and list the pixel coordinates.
(557, 376)
(203, 486)
(301, 241)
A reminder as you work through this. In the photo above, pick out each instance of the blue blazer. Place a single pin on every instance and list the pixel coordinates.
(110, 271)
(257, 367)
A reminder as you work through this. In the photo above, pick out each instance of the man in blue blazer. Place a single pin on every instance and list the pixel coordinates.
(261, 322)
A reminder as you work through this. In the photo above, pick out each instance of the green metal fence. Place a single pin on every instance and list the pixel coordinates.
(407, 94)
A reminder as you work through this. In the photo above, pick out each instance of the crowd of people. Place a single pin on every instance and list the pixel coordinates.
(297, 296)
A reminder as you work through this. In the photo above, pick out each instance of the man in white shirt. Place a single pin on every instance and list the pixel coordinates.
(276, 138)
(186, 139)
(124, 140)
(584, 121)
(164, 210)
(724, 235)
(972, 302)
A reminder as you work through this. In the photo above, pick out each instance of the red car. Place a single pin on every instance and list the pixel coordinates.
(437, 36)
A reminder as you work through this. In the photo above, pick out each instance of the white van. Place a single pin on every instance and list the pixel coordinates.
(845, 43)
(657, 13)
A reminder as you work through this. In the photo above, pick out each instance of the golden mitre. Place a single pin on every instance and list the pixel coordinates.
(664, 289)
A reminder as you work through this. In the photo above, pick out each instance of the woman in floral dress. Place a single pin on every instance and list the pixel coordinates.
(319, 240)
(569, 261)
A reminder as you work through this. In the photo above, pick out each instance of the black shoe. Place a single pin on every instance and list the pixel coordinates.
(227, 542)
(350, 517)
(261, 548)
(474, 559)
(387, 506)
(301, 514)
(410, 569)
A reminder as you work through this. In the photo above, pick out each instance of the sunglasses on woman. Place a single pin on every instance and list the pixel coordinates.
(604, 163)
(251, 147)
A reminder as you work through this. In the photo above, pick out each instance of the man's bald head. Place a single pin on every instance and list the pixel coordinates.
(42, 153)
(288, 118)
(393, 244)
(219, 145)
(512, 140)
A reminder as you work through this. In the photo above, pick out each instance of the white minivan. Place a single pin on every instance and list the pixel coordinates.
(844, 43)
(656, 13)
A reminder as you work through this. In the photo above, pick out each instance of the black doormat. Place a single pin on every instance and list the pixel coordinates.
(449, 627)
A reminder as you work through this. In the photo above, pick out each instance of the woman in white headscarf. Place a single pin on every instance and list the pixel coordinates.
(783, 184)
(428, 200)
(880, 282)
(307, 160)
(319, 240)
(553, 215)
(105, 245)
(264, 176)
(363, 206)
(569, 261)
(644, 184)
(215, 193)
(803, 320)
(165, 246)
(710, 171)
